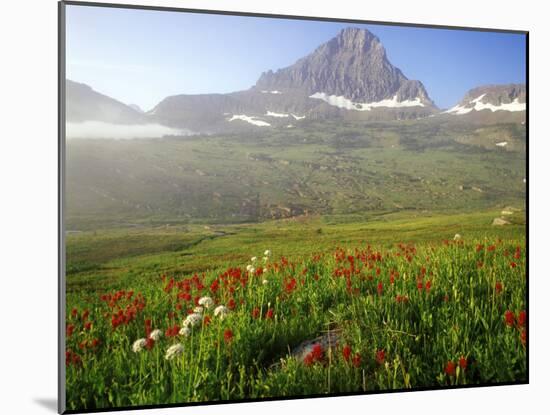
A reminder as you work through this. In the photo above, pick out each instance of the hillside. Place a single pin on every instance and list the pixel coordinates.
(323, 168)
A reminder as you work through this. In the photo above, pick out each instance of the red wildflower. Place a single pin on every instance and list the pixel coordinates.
(463, 362)
(356, 360)
(392, 279)
(95, 342)
(317, 352)
(147, 327)
(269, 314)
(479, 247)
(206, 320)
(228, 335)
(74, 312)
(214, 286)
(85, 315)
(450, 368)
(184, 296)
(510, 318)
(70, 330)
(498, 287)
(380, 356)
(290, 285)
(523, 336)
(76, 360)
(172, 331)
(380, 288)
(72, 358)
(522, 318)
(513, 265)
(255, 312)
(149, 343)
(419, 285)
(231, 304)
(88, 325)
(428, 285)
(308, 360)
(346, 352)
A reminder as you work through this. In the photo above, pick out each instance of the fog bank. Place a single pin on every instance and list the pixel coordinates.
(99, 129)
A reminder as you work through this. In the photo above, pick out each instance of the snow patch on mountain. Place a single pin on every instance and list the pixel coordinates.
(345, 103)
(271, 92)
(276, 114)
(250, 120)
(284, 115)
(513, 106)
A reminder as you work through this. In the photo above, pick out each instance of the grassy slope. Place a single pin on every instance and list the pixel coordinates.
(112, 258)
(326, 169)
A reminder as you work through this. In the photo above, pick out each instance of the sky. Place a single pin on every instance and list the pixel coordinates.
(142, 56)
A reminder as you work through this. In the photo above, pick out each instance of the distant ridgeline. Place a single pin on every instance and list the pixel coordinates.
(348, 77)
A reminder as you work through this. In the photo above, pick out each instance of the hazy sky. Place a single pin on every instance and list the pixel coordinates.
(142, 56)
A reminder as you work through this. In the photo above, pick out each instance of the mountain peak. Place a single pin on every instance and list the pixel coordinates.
(359, 39)
(353, 65)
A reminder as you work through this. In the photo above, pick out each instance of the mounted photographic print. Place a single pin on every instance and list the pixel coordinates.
(258, 207)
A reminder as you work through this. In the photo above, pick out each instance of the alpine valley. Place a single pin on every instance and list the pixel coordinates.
(329, 230)
(341, 133)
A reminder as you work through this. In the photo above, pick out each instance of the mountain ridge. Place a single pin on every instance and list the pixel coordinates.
(348, 77)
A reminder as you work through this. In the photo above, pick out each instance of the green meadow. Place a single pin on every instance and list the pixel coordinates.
(314, 261)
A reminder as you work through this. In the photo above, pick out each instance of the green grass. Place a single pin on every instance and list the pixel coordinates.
(321, 168)
(461, 315)
(357, 216)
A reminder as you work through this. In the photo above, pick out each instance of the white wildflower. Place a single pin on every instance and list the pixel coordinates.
(192, 320)
(265, 282)
(249, 267)
(139, 345)
(173, 351)
(253, 259)
(457, 237)
(265, 259)
(221, 311)
(185, 331)
(267, 253)
(198, 310)
(206, 302)
(252, 270)
(155, 334)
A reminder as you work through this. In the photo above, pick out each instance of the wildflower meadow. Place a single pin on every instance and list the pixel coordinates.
(300, 316)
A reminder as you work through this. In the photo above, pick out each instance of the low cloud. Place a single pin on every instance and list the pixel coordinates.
(99, 129)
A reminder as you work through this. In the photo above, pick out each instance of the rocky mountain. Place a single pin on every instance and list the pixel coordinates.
(85, 104)
(354, 66)
(491, 99)
(349, 76)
